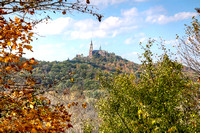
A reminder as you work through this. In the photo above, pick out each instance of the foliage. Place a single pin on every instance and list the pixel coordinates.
(189, 46)
(87, 126)
(20, 108)
(12, 32)
(161, 100)
(83, 70)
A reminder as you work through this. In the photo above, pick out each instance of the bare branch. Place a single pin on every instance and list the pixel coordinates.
(189, 46)
(30, 7)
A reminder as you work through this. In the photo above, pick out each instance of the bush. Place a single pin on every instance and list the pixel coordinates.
(161, 100)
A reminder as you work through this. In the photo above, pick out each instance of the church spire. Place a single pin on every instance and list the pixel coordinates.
(91, 49)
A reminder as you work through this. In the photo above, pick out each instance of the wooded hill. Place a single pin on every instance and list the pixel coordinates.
(80, 73)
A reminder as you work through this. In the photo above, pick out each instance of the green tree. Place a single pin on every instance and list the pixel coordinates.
(161, 100)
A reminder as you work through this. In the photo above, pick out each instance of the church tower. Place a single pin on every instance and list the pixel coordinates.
(91, 49)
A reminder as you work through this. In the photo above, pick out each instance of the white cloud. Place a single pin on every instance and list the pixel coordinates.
(113, 2)
(154, 11)
(163, 19)
(128, 41)
(108, 28)
(53, 27)
(111, 26)
(85, 24)
(130, 13)
(136, 39)
(132, 56)
(140, 0)
(48, 52)
(110, 22)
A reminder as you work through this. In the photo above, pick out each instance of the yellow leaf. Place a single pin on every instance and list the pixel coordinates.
(31, 106)
(48, 124)
(6, 59)
(72, 80)
(8, 43)
(48, 102)
(14, 114)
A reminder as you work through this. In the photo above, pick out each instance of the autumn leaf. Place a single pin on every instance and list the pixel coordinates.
(64, 12)
(84, 105)
(17, 19)
(30, 34)
(8, 68)
(198, 79)
(31, 106)
(69, 125)
(9, 43)
(88, 1)
(28, 47)
(33, 130)
(48, 102)
(32, 61)
(48, 124)
(14, 47)
(72, 80)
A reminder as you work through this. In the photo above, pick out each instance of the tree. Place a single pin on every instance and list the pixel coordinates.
(161, 100)
(189, 46)
(22, 8)
(22, 107)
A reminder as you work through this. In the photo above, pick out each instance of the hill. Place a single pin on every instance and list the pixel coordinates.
(80, 73)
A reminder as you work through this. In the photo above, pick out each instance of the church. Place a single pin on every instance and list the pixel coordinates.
(99, 52)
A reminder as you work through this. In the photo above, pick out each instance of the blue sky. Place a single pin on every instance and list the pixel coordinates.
(125, 24)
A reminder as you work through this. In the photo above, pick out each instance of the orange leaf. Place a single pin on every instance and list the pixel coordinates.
(33, 130)
(14, 47)
(25, 64)
(29, 47)
(30, 34)
(8, 68)
(32, 60)
(64, 12)
(84, 105)
(16, 19)
(48, 102)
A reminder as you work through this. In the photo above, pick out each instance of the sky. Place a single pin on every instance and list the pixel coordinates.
(125, 24)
